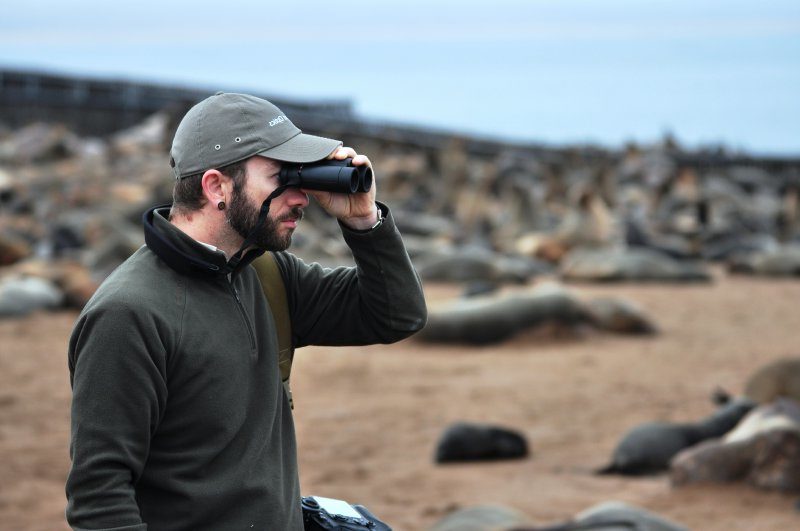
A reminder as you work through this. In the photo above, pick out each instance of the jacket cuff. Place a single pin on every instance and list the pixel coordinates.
(384, 215)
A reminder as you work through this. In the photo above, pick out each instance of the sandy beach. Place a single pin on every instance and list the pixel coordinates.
(368, 418)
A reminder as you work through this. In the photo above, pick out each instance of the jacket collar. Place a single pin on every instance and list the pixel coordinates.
(181, 252)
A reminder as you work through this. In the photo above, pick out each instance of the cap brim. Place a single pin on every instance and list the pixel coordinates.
(302, 148)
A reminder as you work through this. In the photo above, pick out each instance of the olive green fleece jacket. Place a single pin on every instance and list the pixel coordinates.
(179, 418)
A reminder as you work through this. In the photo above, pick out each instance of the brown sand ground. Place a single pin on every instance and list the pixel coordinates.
(368, 418)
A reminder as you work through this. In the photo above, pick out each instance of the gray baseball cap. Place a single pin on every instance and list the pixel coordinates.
(228, 127)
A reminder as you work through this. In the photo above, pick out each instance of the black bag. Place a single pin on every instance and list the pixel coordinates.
(323, 514)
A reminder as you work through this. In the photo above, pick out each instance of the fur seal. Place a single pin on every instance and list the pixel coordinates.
(20, 296)
(608, 516)
(484, 320)
(618, 516)
(783, 413)
(620, 316)
(481, 518)
(781, 262)
(474, 442)
(779, 378)
(636, 264)
(467, 264)
(763, 450)
(648, 448)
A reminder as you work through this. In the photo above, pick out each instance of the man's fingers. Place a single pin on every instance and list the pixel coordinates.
(344, 152)
(360, 160)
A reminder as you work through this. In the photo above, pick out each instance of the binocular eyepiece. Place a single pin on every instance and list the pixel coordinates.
(338, 176)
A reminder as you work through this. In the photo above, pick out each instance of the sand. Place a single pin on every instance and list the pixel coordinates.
(368, 418)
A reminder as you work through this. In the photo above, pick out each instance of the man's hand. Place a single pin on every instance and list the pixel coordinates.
(357, 211)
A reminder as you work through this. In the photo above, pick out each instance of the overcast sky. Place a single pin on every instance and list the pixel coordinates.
(553, 71)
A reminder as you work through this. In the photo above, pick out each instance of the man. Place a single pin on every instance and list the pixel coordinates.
(179, 417)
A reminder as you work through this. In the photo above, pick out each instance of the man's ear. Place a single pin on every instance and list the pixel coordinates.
(216, 187)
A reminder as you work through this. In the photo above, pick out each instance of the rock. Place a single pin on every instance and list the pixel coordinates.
(474, 442)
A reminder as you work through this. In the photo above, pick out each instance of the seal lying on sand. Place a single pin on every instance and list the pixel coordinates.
(467, 264)
(731, 245)
(472, 442)
(488, 319)
(648, 448)
(782, 413)
(480, 518)
(631, 264)
(781, 262)
(779, 378)
(491, 319)
(607, 516)
(23, 295)
(763, 450)
(618, 516)
(612, 516)
(620, 316)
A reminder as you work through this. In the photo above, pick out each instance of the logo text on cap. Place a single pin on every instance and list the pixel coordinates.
(279, 119)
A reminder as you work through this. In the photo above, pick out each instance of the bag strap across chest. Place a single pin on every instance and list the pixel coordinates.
(275, 291)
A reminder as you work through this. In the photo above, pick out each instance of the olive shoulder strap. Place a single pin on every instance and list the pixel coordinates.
(275, 291)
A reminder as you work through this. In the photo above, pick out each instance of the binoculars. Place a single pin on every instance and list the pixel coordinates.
(338, 176)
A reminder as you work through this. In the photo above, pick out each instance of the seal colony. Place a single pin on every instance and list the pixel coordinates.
(642, 213)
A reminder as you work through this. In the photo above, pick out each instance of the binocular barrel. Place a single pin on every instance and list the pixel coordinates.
(338, 176)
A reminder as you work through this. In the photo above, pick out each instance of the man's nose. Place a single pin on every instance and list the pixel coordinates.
(295, 197)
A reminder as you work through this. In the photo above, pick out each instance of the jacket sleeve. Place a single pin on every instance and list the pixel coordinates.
(117, 372)
(380, 300)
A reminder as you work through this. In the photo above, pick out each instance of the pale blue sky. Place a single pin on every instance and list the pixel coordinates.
(559, 71)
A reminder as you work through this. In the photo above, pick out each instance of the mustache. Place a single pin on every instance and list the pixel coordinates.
(295, 214)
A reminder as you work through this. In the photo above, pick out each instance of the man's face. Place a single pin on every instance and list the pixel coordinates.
(284, 212)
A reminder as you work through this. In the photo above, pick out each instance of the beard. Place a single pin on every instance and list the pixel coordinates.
(243, 218)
